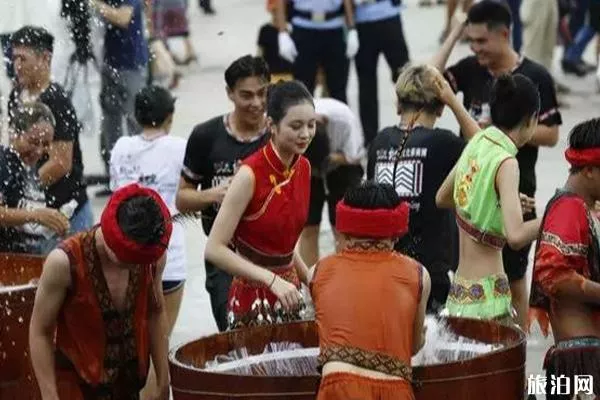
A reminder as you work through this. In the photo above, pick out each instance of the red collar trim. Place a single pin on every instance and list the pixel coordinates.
(275, 162)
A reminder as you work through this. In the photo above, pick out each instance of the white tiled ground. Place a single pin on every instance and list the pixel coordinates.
(232, 33)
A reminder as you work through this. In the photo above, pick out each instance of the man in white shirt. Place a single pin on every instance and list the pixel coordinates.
(154, 159)
(342, 169)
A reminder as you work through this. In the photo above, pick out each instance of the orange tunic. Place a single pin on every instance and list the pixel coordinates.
(366, 304)
(102, 353)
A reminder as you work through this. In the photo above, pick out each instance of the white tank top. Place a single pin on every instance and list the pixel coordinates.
(155, 164)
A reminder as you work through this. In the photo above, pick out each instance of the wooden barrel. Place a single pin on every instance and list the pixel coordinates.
(17, 380)
(500, 374)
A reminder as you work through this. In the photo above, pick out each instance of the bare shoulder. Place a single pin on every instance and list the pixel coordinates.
(244, 178)
(57, 270)
(509, 165)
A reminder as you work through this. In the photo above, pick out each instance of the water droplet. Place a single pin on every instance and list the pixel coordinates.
(21, 320)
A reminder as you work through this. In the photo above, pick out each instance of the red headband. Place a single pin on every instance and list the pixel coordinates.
(379, 223)
(583, 158)
(127, 250)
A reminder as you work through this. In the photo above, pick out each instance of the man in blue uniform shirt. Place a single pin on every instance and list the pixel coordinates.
(379, 31)
(318, 39)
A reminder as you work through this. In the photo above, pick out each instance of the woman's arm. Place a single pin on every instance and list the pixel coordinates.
(468, 125)
(518, 233)
(444, 197)
(234, 205)
(301, 268)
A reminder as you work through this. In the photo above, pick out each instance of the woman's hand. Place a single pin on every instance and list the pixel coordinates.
(443, 89)
(287, 293)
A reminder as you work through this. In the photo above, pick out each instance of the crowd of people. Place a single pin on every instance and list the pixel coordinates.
(425, 220)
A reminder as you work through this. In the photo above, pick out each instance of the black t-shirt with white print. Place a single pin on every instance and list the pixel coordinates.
(19, 188)
(428, 157)
(67, 129)
(475, 82)
(212, 156)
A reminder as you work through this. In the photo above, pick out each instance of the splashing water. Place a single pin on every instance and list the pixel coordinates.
(444, 346)
(277, 359)
(292, 359)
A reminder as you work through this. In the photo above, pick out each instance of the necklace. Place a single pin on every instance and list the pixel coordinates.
(230, 126)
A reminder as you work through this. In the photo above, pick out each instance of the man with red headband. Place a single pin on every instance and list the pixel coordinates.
(100, 297)
(566, 276)
(368, 339)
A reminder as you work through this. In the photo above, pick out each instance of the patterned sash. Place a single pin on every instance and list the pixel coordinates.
(366, 359)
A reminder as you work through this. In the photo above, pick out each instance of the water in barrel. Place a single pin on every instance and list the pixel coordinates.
(18, 278)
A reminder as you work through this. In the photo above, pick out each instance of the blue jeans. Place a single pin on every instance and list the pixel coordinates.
(576, 49)
(577, 16)
(80, 221)
(117, 100)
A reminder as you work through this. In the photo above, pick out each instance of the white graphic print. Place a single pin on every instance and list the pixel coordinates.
(409, 176)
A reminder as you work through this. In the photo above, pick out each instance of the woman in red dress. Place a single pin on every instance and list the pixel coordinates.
(263, 213)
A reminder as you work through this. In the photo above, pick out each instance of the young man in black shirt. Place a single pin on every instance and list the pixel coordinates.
(428, 154)
(61, 170)
(25, 221)
(214, 151)
(488, 29)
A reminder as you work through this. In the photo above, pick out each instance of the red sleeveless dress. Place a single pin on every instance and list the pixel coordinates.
(267, 235)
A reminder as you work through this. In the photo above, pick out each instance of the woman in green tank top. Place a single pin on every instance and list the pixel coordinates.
(483, 188)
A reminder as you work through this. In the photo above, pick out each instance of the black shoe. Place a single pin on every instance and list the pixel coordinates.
(206, 7)
(570, 67)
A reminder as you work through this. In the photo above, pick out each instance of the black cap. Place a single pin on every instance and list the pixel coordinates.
(153, 105)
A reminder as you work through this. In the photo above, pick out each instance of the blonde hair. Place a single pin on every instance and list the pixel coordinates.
(415, 89)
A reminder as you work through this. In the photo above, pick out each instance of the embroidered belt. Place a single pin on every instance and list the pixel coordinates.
(370, 360)
(262, 259)
(468, 291)
(490, 239)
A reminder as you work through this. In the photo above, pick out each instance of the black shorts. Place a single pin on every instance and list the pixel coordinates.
(171, 286)
(331, 190)
(516, 261)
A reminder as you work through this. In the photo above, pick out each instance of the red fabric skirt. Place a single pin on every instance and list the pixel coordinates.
(252, 303)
